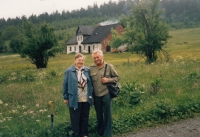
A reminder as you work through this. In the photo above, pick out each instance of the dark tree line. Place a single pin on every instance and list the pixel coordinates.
(70, 19)
(176, 11)
(182, 13)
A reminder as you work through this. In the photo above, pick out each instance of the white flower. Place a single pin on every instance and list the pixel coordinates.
(38, 120)
(23, 106)
(180, 57)
(6, 104)
(41, 110)
(1, 102)
(45, 110)
(14, 111)
(31, 111)
(9, 118)
(37, 105)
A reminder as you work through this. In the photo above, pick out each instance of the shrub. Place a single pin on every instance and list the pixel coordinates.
(130, 94)
(155, 86)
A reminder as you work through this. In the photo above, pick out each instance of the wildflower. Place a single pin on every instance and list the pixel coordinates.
(38, 120)
(14, 111)
(1, 121)
(30, 111)
(25, 113)
(1, 102)
(180, 57)
(45, 110)
(37, 105)
(5, 104)
(9, 118)
(23, 107)
(49, 116)
(41, 110)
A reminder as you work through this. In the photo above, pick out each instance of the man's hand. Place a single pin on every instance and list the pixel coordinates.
(104, 80)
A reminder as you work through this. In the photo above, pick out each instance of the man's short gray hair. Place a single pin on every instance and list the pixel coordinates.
(97, 51)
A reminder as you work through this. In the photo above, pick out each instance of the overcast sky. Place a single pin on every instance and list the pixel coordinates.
(17, 8)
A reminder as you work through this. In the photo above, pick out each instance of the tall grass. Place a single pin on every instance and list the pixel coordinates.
(165, 91)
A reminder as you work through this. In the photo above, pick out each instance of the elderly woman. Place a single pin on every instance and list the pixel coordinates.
(77, 94)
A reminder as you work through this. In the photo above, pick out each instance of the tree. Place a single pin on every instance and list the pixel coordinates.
(16, 44)
(146, 32)
(40, 44)
(2, 43)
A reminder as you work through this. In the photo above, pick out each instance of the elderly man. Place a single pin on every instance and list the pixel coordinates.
(102, 99)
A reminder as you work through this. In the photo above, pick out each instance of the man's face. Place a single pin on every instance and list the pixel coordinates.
(98, 58)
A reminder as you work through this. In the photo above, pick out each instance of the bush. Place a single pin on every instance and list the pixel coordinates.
(131, 94)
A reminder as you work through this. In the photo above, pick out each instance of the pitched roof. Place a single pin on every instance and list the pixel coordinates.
(84, 30)
(94, 34)
(99, 34)
(72, 41)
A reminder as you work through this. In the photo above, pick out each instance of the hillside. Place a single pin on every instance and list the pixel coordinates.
(151, 94)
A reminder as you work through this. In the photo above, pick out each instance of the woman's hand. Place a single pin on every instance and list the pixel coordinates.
(66, 102)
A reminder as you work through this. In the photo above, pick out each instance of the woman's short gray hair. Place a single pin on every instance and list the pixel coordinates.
(97, 51)
(78, 55)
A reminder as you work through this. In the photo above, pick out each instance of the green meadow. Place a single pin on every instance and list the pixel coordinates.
(151, 94)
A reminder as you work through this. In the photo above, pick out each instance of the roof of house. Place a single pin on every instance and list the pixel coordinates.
(84, 30)
(94, 34)
(99, 34)
(72, 41)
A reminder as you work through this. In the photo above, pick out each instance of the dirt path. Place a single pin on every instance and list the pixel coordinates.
(185, 128)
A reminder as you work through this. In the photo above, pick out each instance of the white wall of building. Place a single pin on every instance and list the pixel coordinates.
(86, 48)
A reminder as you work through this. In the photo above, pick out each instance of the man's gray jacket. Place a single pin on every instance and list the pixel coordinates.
(100, 89)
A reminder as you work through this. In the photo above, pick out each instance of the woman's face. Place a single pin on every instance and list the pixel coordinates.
(79, 62)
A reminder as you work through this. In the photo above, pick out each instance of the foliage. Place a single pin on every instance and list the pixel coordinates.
(116, 39)
(66, 22)
(130, 95)
(16, 44)
(23, 103)
(151, 33)
(2, 43)
(177, 16)
(40, 44)
(155, 86)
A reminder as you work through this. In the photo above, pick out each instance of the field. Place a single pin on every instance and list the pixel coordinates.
(151, 94)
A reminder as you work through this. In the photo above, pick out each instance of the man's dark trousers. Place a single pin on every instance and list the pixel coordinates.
(103, 111)
(79, 119)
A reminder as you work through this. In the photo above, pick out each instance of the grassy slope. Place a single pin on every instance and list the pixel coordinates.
(24, 110)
